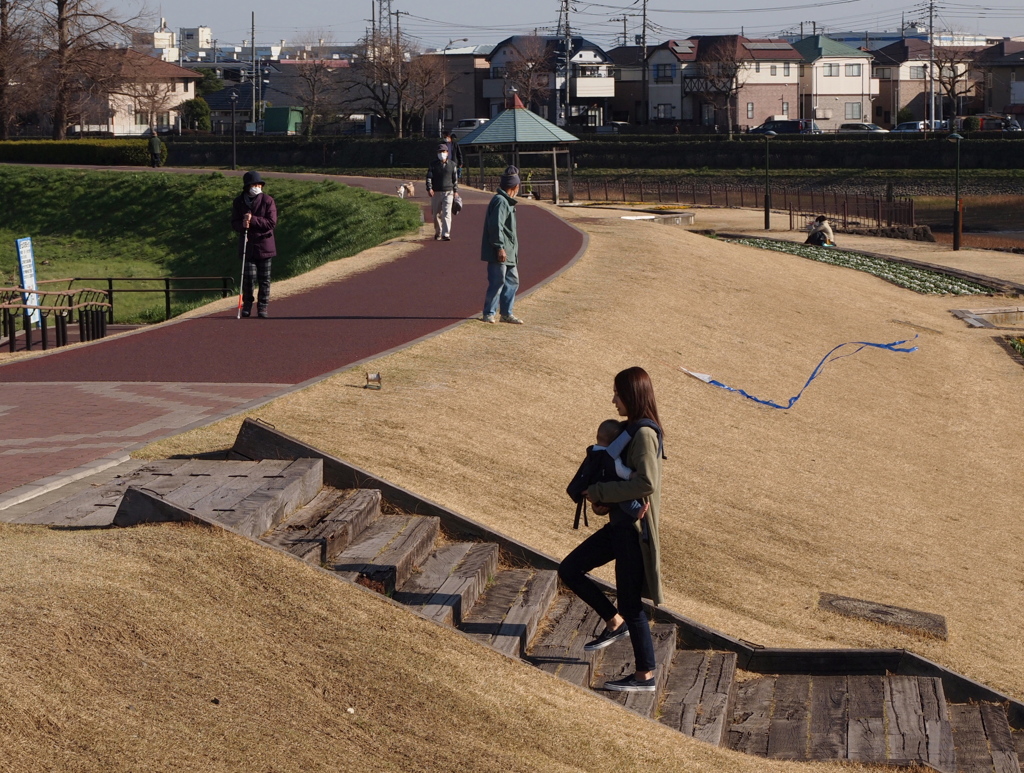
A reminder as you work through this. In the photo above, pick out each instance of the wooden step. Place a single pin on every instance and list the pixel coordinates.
(327, 525)
(699, 693)
(983, 739)
(558, 646)
(510, 609)
(450, 581)
(616, 661)
(752, 712)
(383, 556)
(917, 722)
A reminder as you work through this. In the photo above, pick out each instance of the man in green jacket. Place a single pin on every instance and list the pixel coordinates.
(155, 150)
(500, 249)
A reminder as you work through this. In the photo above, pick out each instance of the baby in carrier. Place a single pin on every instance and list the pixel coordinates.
(603, 463)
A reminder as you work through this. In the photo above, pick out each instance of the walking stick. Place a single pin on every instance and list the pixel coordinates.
(241, 279)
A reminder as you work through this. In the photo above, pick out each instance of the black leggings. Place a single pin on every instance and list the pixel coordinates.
(618, 542)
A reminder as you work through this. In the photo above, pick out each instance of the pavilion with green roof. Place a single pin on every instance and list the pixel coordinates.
(521, 132)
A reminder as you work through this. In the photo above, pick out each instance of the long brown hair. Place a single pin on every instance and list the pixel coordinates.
(634, 388)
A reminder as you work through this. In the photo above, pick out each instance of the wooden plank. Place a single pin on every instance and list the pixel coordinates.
(293, 534)
(1018, 742)
(751, 717)
(486, 621)
(395, 564)
(1000, 739)
(277, 498)
(558, 648)
(423, 585)
(829, 718)
(866, 730)
(716, 702)
(347, 521)
(459, 593)
(938, 731)
(527, 611)
(972, 753)
(140, 506)
(239, 486)
(788, 732)
(906, 735)
(684, 690)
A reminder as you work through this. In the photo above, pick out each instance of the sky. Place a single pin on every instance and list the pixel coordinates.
(433, 24)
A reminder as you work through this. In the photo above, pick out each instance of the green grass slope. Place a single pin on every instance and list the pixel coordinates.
(100, 224)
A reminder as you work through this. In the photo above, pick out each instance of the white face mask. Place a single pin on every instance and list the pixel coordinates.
(255, 190)
(443, 156)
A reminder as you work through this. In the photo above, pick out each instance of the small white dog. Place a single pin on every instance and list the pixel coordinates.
(406, 189)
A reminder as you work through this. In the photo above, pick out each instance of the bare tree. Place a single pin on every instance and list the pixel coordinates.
(69, 32)
(426, 88)
(380, 81)
(721, 74)
(318, 79)
(15, 62)
(529, 70)
(955, 68)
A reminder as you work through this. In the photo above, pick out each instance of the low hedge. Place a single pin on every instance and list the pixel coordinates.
(134, 152)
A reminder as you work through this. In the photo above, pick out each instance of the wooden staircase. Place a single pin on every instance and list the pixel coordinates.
(492, 595)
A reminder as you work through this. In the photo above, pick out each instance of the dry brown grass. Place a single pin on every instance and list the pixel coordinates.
(180, 648)
(893, 479)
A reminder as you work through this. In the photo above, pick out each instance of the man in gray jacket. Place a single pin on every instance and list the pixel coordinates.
(442, 185)
(500, 249)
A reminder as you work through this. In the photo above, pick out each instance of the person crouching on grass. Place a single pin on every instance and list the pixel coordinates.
(255, 212)
(631, 541)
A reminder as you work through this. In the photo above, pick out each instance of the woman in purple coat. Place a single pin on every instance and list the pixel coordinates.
(254, 214)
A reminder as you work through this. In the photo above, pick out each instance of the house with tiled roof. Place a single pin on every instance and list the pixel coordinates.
(132, 94)
(837, 84)
(902, 72)
(718, 81)
(1002, 68)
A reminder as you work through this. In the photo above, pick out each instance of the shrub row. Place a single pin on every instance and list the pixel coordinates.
(797, 152)
(133, 152)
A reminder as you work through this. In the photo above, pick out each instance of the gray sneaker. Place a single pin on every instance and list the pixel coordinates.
(512, 319)
(487, 318)
(632, 684)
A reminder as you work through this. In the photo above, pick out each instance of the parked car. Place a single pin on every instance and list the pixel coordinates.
(467, 125)
(861, 128)
(919, 126)
(789, 126)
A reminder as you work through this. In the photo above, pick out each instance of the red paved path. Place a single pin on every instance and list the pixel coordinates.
(197, 370)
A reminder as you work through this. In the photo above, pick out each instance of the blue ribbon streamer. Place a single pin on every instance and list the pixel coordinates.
(895, 346)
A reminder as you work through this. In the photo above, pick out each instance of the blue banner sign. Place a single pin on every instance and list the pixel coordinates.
(27, 269)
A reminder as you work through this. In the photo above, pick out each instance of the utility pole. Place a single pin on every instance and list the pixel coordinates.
(647, 85)
(396, 49)
(930, 125)
(252, 72)
(568, 62)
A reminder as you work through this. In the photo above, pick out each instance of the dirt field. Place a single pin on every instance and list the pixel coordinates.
(893, 479)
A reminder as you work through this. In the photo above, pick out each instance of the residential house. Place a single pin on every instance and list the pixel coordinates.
(463, 75)
(628, 71)
(535, 66)
(722, 81)
(902, 70)
(836, 83)
(1002, 67)
(133, 94)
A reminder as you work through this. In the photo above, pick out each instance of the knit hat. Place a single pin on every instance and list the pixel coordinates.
(510, 179)
(251, 178)
(443, 147)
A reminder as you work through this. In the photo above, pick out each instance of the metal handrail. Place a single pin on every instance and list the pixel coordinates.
(225, 289)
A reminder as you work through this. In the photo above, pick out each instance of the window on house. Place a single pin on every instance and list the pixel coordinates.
(497, 73)
(785, 69)
(801, 71)
(854, 111)
(664, 110)
(917, 73)
(664, 72)
(757, 67)
(853, 70)
(884, 73)
(830, 70)
(948, 72)
(750, 109)
(785, 108)
(774, 70)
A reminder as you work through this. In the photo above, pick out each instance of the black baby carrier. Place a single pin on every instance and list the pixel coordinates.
(595, 469)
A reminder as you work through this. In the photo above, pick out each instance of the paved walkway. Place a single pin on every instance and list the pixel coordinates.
(70, 412)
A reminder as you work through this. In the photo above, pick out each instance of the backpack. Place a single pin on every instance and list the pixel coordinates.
(595, 470)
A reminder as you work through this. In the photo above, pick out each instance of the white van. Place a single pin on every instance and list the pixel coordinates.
(466, 125)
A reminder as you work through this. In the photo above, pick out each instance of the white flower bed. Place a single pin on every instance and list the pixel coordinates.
(917, 279)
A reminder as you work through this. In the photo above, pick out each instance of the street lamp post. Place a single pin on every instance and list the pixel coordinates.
(767, 182)
(234, 155)
(444, 84)
(958, 213)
